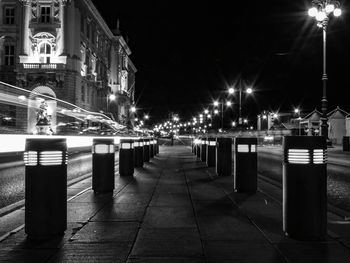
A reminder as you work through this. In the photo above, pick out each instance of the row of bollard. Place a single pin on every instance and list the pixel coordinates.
(304, 177)
(46, 177)
(217, 152)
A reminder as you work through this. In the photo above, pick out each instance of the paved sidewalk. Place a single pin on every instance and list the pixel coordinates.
(175, 210)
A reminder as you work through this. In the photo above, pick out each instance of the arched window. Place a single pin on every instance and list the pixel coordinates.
(45, 53)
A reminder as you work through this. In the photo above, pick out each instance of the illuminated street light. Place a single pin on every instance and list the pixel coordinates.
(234, 124)
(296, 110)
(216, 103)
(146, 117)
(133, 109)
(249, 90)
(228, 103)
(216, 112)
(206, 111)
(321, 11)
(231, 90)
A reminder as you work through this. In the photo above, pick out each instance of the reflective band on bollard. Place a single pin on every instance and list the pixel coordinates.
(245, 165)
(211, 154)
(305, 187)
(204, 150)
(138, 156)
(224, 156)
(103, 155)
(146, 150)
(45, 188)
(126, 158)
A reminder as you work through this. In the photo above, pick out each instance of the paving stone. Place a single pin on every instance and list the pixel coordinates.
(81, 212)
(168, 217)
(167, 242)
(171, 188)
(170, 199)
(132, 198)
(102, 232)
(93, 252)
(121, 212)
(242, 252)
(91, 197)
(228, 228)
(317, 252)
(25, 255)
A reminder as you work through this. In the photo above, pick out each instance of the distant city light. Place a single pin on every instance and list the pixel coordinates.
(216, 103)
(231, 90)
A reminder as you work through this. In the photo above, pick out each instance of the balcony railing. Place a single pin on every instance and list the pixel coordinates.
(40, 66)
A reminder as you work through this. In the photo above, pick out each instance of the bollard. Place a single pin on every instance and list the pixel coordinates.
(224, 156)
(151, 148)
(45, 188)
(204, 150)
(103, 155)
(346, 143)
(245, 165)
(305, 187)
(195, 146)
(138, 153)
(211, 155)
(157, 146)
(146, 150)
(154, 147)
(198, 151)
(126, 157)
(192, 145)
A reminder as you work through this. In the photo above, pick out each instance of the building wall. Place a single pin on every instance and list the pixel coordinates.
(87, 62)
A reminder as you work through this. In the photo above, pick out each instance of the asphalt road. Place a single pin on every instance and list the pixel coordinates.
(12, 175)
(338, 173)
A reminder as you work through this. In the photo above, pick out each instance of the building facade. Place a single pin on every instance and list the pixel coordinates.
(65, 50)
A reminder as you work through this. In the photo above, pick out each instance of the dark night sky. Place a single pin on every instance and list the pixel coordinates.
(188, 52)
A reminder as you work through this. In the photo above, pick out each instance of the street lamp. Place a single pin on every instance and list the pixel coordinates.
(248, 90)
(216, 104)
(321, 11)
(297, 112)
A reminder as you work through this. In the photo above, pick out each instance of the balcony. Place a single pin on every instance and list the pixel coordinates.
(42, 67)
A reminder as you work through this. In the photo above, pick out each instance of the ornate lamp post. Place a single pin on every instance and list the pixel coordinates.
(321, 11)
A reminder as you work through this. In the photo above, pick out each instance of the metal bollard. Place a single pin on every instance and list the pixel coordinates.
(154, 147)
(211, 155)
(305, 187)
(195, 146)
(126, 157)
(146, 150)
(45, 188)
(103, 165)
(157, 146)
(138, 153)
(224, 156)
(198, 151)
(151, 148)
(204, 150)
(245, 165)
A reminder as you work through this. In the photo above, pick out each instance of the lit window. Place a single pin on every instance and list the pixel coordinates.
(45, 53)
(9, 15)
(9, 55)
(45, 14)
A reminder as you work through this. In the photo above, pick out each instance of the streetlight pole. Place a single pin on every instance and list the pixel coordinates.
(321, 10)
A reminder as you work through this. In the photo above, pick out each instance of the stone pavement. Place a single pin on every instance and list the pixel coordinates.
(175, 210)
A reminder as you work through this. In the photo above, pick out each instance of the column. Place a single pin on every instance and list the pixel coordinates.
(25, 25)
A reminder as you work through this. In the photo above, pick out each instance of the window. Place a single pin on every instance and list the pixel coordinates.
(9, 15)
(45, 14)
(45, 53)
(9, 55)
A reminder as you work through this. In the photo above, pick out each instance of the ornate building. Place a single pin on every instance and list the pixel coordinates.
(64, 49)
